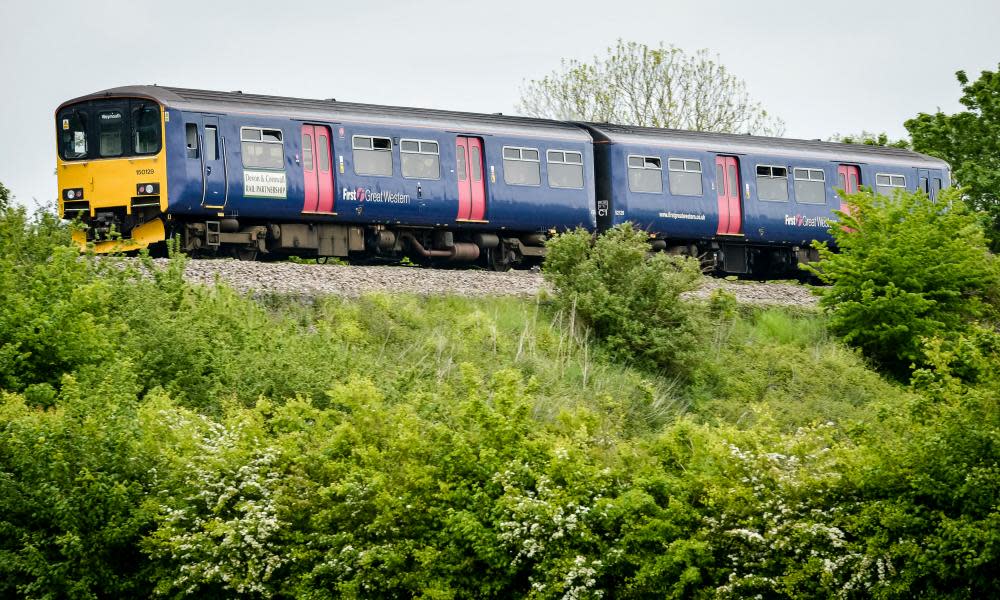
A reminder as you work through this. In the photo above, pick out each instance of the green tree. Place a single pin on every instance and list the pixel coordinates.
(635, 84)
(868, 138)
(970, 141)
(4, 197)
(908, 269)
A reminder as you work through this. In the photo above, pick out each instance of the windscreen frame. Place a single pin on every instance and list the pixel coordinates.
(89, 110)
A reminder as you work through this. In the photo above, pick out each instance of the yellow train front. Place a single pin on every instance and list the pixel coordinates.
(112, 171)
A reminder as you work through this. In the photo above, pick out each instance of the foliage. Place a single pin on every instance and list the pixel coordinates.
(908, 269)
(970, 142)
(171, 440)
(77, 492)
(635, 84)
(629, 297)
(867, 138)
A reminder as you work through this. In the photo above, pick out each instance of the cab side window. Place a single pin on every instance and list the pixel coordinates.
(191, 134)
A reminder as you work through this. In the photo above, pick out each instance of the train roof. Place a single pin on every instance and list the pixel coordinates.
(333, 110)
(727, 143)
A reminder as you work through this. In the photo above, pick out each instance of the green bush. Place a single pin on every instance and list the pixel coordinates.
(77, 492)
(631, 299)
(908, 269)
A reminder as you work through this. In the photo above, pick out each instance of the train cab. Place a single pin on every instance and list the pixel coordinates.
(111, 169)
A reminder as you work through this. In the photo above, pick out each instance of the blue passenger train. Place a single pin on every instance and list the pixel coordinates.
(251, 175)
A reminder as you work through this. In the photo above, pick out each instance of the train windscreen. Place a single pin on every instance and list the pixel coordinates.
(109, 129)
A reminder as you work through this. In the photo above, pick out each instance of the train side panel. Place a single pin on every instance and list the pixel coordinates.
(374, 199)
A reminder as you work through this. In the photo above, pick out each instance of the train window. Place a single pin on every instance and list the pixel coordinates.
(521, 166)
(645, 174)
(211, 143)
(463, 173)
(323, 144)
(307, 152)
(420, 159)
(810, 186)
(146, 124)
(935, 188)
(684, 176)
(191, 133)
(110, 125)
(372, 155)
(477, 163)
(772, 183)
(74, 134)
(565, 169)
(887, 184)
(261, 148)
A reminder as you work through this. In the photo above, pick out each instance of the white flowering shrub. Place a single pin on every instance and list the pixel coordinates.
(219, 531)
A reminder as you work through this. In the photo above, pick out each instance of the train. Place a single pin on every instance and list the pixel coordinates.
(256, 176)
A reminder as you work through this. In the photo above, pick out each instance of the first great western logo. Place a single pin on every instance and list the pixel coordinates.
(367, 195)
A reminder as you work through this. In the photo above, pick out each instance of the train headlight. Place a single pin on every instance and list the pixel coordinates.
(147, 189)
(73, 194)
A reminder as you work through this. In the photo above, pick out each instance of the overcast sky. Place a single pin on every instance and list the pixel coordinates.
(824, 67)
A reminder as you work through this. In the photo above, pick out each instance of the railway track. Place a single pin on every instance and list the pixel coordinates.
(313, 280)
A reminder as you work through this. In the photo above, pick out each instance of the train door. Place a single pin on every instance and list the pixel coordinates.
(215, 179)
(848, 179)
(929, 182)
(727, 177)
(317, 172)
(936, 181)
(924, 181)
(469, 173)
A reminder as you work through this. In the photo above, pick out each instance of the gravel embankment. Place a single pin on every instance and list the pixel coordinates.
(771, 293)
(352, 281)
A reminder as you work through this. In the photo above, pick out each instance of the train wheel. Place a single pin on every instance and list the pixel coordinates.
(247, 254)
(497, 259)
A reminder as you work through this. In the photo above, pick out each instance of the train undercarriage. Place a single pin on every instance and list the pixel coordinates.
(253, 240)
(361, 243)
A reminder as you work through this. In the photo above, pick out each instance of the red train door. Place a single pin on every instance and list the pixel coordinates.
(727, 177)
(325, 169)
(309, 179)
(317, 174)
(848, 179)
(469, 173)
